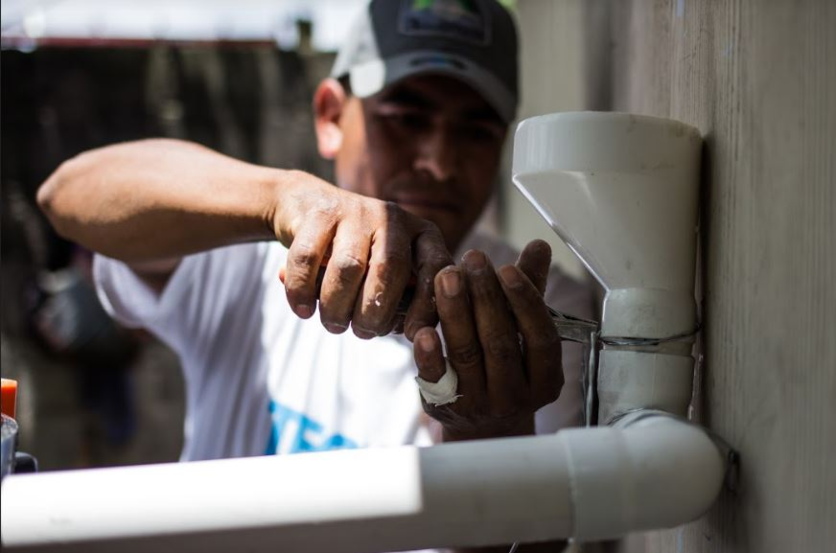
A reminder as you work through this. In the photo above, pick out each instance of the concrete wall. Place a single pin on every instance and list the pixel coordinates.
(758, 78)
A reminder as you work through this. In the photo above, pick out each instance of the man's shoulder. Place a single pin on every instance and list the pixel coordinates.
(221, 272)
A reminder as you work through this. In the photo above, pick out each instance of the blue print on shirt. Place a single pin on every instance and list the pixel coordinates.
(293, 432)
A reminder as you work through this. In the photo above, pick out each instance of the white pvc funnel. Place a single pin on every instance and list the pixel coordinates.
(621, 191)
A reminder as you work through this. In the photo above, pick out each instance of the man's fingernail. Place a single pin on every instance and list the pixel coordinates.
(510, 277)
(363, 333)
(451, 283)
(541, 246)
(304, 310)
(426, 343)
(475, 262)
(335, 328)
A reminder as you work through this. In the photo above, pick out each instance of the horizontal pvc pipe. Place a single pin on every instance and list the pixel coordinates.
(589, 483)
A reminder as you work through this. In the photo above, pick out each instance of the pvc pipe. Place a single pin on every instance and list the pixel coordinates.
(590, 483)
(630, 380)
(622, 191)
(642, 312)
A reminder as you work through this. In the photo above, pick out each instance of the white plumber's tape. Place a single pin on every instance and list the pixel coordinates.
(442, 392)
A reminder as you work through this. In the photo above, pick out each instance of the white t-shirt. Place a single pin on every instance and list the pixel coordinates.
(259, 380)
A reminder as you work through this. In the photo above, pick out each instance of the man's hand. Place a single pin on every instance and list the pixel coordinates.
(372, 249)
(501, 341)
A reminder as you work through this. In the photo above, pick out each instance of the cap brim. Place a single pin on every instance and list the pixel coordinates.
(372, 77)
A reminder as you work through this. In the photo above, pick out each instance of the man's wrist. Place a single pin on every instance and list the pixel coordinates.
(523, 427)
(279, 185)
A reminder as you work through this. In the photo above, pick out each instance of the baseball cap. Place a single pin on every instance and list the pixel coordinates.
(472, 40)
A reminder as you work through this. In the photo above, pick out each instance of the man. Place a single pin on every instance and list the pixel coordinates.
(192, 243)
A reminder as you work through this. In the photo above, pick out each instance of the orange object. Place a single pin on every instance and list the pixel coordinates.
(9, 397)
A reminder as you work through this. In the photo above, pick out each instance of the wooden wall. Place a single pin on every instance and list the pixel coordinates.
(758, 78)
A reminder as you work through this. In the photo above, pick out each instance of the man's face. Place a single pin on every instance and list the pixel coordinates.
(431, 144)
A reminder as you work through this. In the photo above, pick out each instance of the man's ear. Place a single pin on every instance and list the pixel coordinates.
(328, 104)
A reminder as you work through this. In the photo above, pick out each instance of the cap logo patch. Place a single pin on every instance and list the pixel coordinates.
(463, 20)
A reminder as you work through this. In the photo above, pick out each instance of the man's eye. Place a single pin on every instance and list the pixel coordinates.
(481, 133)
(414, 121)
(407, 120)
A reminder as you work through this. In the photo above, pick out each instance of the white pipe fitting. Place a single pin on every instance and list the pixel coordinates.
(621, 190)
(590, 483)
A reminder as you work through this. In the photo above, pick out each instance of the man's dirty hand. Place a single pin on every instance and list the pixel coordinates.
(500, 340)
(370, 250)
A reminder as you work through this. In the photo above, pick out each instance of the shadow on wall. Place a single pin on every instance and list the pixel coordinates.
(92, 393)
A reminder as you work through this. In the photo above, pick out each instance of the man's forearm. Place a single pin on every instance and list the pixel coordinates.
(159, 199)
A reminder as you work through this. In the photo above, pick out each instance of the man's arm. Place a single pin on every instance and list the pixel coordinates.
(149, 203)
(146, 201)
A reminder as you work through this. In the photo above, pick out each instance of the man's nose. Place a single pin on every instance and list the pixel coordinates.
(437, 155)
